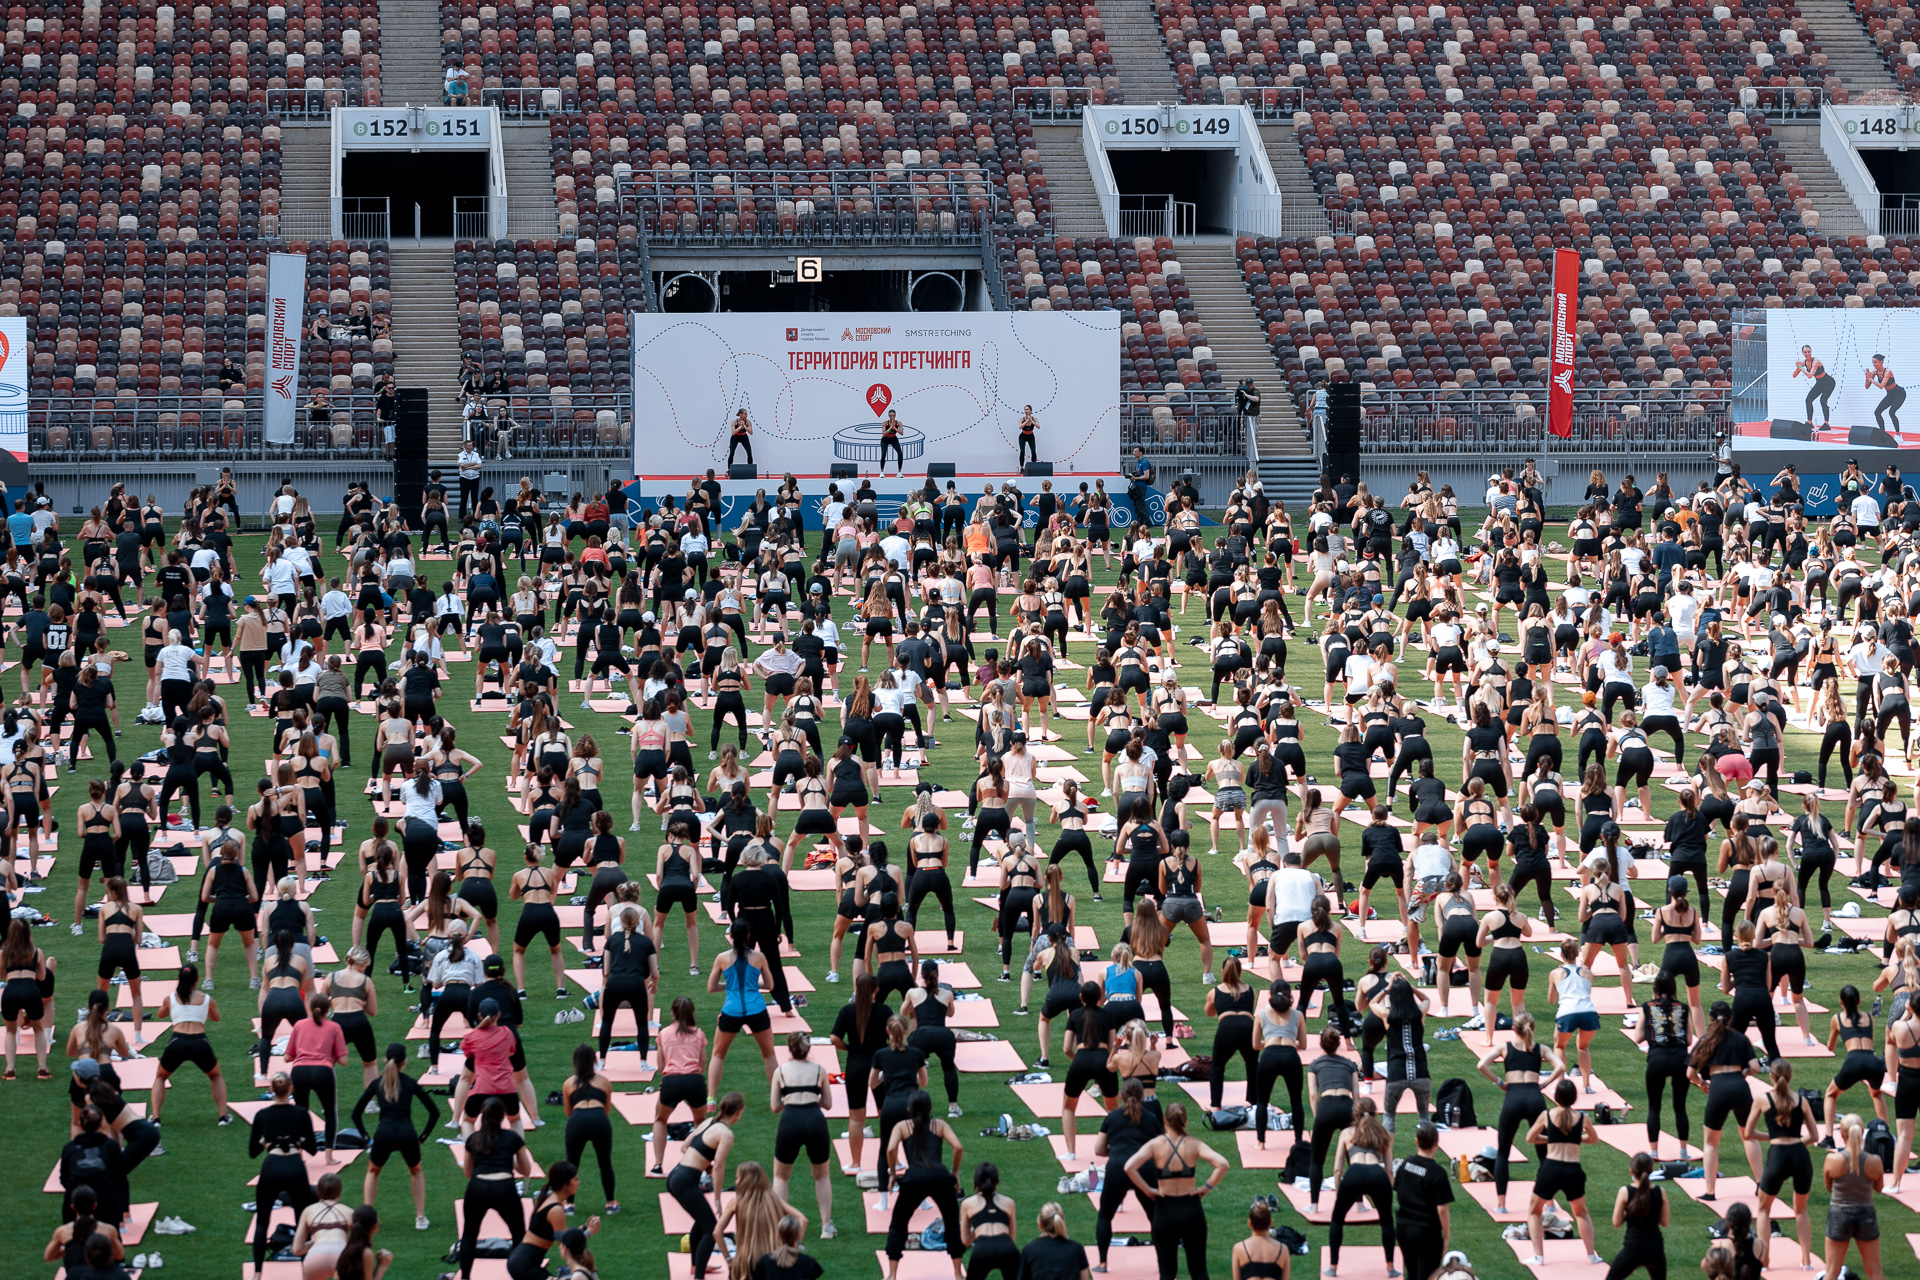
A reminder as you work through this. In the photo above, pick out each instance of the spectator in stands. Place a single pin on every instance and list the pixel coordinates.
(493, 383)
(473, 420)
(231, 375)
(319, 410)
(382, 327)
(321, 330)
(456, 86)
(360, 320)
(505, 430)
(469, 376)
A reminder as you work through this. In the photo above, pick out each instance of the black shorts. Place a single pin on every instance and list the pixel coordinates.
(1786, 1163)
(1460, 934)
(389, 1142)
(1357, 786)
(689, 1087)
(22, 1000)
(1734, 1099)
(183, 1048)
(1561, 1177)
(1862, 1066)
(754, 1023)
(477, 1102)
(679, 894)
(1506, 966)
(1089, 1067)
(223, 916)
(802, 1129)
(814, 822)
(780, 684)
(1906, 1094)
(536, 919)
(358, 1029)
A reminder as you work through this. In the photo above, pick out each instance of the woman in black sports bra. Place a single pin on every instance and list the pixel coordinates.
(705, 1152)
(1179, 1217)
(1863, 1063)
(585, 1097)
(890, 943)
(533, 886)
(1562, 1131)
(987, 1227)
(929, 851)
(931, 1004)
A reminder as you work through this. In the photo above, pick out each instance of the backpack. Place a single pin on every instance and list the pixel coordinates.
(1453, 1104)
(1299, 1160)
(160, 869)
(1230, 1118)
(1878, 1140)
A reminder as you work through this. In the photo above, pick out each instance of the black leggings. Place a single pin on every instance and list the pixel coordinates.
(420, 843)
(1153, 976)
(317, 1082)
(386, 917)
(1077, 842)
(996, 1253)
(1666, 1066)
(932, 880)
(938, 1042)
(590, 1125)
(1839, 736)
(1756, 1008)
(683, 1184)
(622, 991)
(1014, 903)
(1113, 1195)
(1332, 1115)
(451, 1000)
(98, 724)
(1698, 870)
(1180, 1223)
(282, 1177)
(135, 839)
(724, 705)
(1277, 1062)
(483, 1194)
(1520, 1106)
(766, 936)
(1231, 1036)
(1811, 865)
(1324, 966)
(1635, 1254)
(187, 782)
(1367, 1181)
(1542, 877)
(918, 1183)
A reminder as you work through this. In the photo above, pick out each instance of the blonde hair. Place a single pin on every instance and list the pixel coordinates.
(756, 1222)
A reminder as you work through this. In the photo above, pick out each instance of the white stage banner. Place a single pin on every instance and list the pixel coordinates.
(16, 353)
(819, 387)
(286, 306)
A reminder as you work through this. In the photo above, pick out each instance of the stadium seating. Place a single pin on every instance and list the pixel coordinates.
(130, 338)
(215, 60)
(1384, 52)
(1162, 345)
(1893, 29)
(764, 173)
(673, 59)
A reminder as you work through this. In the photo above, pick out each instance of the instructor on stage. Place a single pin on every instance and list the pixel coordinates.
(742, 438)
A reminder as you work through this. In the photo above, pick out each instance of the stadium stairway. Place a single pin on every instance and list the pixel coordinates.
(1290, 480)
(1076, 210)
(1297, 192)
(1801, 143)
(306, 176)
(410, 67)
(531, 211)
(1221, 303)
(427, 338)
(1850, 53)
(1139, 52)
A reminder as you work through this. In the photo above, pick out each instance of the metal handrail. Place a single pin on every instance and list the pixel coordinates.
(1785, 103)
(1054, 103)
(1636, 420)
(1270, 102)
(929, 206)
(1196, 422)
(471, 219)
(365, 217)
(129, 427)
(311, 104)
(520, 101)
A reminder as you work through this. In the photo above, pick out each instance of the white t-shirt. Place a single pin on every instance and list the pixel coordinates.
(1360, 669)
(897, 549)
(281, 577)
(1657, 700)
(1865, 510)
(1868, 657)
(1292, 890)
(1685, 611)
(1431, 859)
(176, 662)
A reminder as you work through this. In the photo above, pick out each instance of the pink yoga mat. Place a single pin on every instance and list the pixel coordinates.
(317, 1165)
(1632, 1139)
(1303, 1204)
(1043, 1100)
(973, 1014)
(1727, 1191)
(1565, 1260)
(879, 1220)
(491, 1225)
(843, 1152)
(457, 1150)
(1131, 1219)
(1271, 1156)
(987, 1056)
(1358, 1262)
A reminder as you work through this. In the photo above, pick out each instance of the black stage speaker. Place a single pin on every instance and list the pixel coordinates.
(939, 471)
(1342, 456)
(844, 471)
(1038, 469)
(1871, 438)
(410, 425)
(410, 487)
(1790, 429)
(742, 471)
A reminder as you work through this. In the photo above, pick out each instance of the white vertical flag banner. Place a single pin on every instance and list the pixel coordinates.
(15, 354)
(286, 298)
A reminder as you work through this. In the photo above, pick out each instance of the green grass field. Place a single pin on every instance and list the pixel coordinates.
(203, 1174)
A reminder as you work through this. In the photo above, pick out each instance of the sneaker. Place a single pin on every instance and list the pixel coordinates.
(1477, 1022)
(713, 755)
(420, 1223)
(193, 955)
(207, 985)
(74, 929)
(1207, 978)
(139, 1261)
(827, 1230)
(154, 1262)
(953, 1111)
(833, 975)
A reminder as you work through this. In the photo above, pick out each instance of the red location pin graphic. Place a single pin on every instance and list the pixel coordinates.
(879, 396)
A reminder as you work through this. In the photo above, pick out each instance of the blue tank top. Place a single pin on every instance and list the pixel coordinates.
(743, 990)
(1122, 982)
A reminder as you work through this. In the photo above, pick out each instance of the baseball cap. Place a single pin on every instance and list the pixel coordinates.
(692, 594)
(494, 963)
(647, 616)
(1658, 672)
(86, 1068)
(1676, 884)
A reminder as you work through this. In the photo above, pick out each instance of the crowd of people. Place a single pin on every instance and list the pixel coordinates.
(1621, 645)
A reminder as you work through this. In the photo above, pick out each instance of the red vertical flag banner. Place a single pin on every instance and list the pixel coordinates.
(1566, 308)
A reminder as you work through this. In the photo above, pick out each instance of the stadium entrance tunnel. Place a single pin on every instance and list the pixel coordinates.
(933, 290)
(433, 180)
(1181, 192)
(1896, 171)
